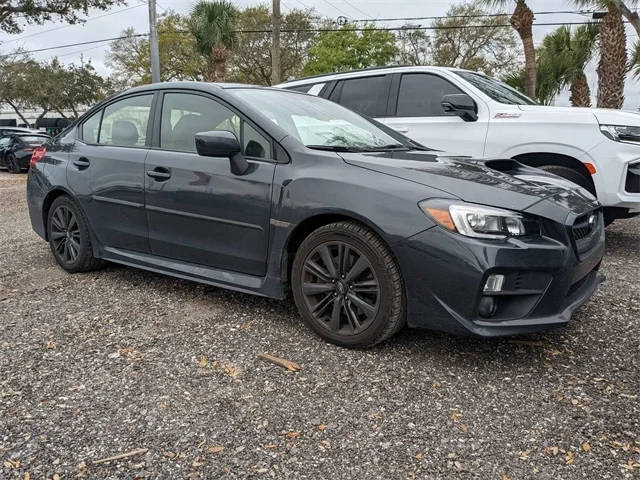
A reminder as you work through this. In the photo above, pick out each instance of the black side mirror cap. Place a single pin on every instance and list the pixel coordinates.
(221, 143)
(462, 105)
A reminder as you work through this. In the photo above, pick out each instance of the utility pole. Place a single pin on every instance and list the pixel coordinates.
(275, 43)
(153, 43)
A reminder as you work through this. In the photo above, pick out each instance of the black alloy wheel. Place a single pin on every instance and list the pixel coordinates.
(65, 234)
(69, 239)
(347, 285)
(340, 287)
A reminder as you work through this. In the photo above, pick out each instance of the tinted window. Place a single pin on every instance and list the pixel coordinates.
(90, 128)
(184, 115)
(498, 91)
(4, 141)
(366, 95)
(125, 123)
(301, 88)
(421, 94)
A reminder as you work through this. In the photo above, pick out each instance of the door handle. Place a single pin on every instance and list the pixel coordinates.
(160, 174)
(82, 163)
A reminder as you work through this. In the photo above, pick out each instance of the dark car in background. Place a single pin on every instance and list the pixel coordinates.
(264, 191)
(16, 150)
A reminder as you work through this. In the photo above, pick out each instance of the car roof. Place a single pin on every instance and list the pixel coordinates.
(365, 72)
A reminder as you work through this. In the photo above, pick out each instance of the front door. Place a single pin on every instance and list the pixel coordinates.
(417, 113)
(106, 171)
(198, 211)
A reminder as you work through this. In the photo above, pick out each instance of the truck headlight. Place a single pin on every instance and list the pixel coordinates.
(479, 221)
(621, 133)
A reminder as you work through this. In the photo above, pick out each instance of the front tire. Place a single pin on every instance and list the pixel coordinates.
(12, 164)
(69, 238)
(347, 286)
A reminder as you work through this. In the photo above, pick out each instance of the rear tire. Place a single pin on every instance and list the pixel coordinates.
(347, 286)
(69, 237)
(12, 164)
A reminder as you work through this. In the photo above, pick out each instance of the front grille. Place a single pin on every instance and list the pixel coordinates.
(584, 225)
(585, 231)
(632, 184)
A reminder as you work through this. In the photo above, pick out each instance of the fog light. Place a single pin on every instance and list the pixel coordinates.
(488, 307)
(494, 284)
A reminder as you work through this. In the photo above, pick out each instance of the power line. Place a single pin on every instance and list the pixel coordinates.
(357, 9)
(67, 26)
(477, 15)
(294, 30)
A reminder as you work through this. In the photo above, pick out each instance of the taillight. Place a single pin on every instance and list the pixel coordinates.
(37, 155)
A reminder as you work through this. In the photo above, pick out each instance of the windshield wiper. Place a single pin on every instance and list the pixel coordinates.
(334, 148)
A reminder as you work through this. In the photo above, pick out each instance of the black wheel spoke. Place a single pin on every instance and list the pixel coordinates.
(316, 288)
(65, 234)
(322, 304)
(317, 270)
(336, 312)
(366, 286)
(366, 308)
(351, 316)
(56, 234)
(357, 269)
(325, 254)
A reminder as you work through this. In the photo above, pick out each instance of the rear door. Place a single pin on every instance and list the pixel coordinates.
(198, 211)
(106, 171)
(415, 110)
(366, 95)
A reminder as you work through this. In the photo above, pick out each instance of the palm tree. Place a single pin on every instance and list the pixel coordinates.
(612, 68)
(522, 22)
(212, 25)
(562, 60)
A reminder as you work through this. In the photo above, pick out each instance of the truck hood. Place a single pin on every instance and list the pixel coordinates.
(499, 183)
(603, 116)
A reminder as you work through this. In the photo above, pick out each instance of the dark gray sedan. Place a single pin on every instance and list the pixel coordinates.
(265, 191)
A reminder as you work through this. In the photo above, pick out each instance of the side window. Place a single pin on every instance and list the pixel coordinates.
(90, 128)
(184, 115)
(301, 88)
(125, 123)
(367, 95)
(254, 144)
(420, 95)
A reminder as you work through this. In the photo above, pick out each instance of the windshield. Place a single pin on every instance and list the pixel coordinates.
(319, 123)
(498, 91)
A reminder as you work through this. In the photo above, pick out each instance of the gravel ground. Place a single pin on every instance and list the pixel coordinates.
(101, 364)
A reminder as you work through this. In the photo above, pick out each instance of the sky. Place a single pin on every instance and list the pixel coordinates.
(111, 23)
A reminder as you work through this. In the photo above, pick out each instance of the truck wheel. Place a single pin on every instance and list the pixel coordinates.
(571, 175)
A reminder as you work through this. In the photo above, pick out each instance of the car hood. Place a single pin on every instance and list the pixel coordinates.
(604, 116)
(499, 183)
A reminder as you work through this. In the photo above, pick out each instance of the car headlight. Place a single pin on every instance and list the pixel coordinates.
(478, 221)
(621, 133)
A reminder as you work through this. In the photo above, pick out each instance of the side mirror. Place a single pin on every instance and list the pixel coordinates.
(462, 105)
(221, 143)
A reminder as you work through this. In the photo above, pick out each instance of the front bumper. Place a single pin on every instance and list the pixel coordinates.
(614, 178)
(547, 279)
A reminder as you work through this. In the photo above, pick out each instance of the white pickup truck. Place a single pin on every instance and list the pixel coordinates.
(472, 114)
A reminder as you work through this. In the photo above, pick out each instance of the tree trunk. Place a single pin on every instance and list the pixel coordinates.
(613, 60)
(218, 71)
(522, 22)
(15, 109)
(631, 16)
(580, 91)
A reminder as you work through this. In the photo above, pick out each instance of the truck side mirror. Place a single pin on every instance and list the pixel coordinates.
(462, 105)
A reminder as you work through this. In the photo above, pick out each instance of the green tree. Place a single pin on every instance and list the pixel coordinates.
(40, 11)
(562, 60)
(17, 85)
(250, 60)
(349, 49)
(213, 27)
(415, 47)
(129, 57)
(522, 21)
(490, 48)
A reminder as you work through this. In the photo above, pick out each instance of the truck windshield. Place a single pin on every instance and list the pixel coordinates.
(498, 91)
